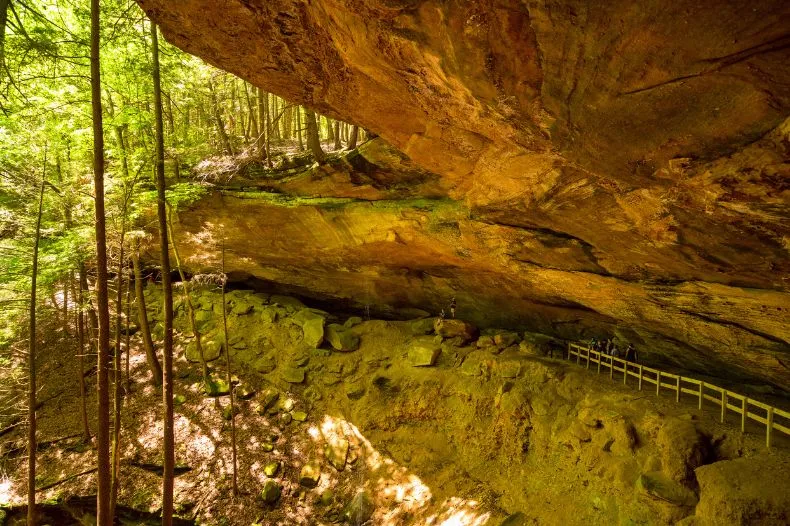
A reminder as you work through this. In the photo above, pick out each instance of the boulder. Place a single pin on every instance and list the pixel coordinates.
(292, 304)
(305, 315)
(293, 375)
(215, 388)
(506, 339)
(267, 400)
(485, 341)
(360, 509)
(241, 307)
(751, 490)
(450, 328)
(353, 321)
(683, 449)
(341, 339)
(313, 330)
(310, 474)
(271, 468)
(212, 348)
(264, 364)
(299, 416)
(421, 326)
(271, 491)
(658, 486)
(423, 351)
(336, 451)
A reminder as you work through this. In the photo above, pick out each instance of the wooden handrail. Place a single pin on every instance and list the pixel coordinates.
(724, 395)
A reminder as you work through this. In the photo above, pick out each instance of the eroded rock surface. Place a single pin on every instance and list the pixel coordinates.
(604, 168)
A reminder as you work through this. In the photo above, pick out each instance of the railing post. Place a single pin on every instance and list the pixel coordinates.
(744, 410)
(677, 388)
(769, 427)
(723, 404)
(569, 351)
(588, 358)
(701, 392)
(578, 357)
(625, 372)
(640, 377)
(611, 367)
(599, 361)
(658, 382)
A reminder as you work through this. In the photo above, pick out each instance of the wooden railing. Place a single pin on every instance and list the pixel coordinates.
(679, 384)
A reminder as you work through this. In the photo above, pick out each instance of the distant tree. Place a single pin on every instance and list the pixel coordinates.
(352, 140)
(313, 141)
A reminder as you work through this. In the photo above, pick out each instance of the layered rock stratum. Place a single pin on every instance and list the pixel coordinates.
(589, 169)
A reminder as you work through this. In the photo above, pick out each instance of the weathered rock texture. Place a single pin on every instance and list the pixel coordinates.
(608, 165)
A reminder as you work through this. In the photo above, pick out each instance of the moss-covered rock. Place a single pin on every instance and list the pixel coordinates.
(310, 474)
(271, 491)
(341, 339)
(212, 349)
(313, 331)
(423, 351)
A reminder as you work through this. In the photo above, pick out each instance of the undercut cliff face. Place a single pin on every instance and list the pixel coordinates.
(591, 169)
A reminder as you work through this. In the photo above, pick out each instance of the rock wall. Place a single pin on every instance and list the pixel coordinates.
(453, 425)
(607, 166)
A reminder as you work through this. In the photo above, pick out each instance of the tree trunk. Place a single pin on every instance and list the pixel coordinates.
(86, 430)
(352, 140)
(31, 365)
(218, 120)
(230, 374)
(142, 317)
(253, 123)
(103, 430)
(117, 376)
(299, 127)
(338, 144)
(188, 299)
(263, 132)
(3, 21)
(330, 134)
(313, 140)
(268, 116)
(168, 449)
(128, 334)
(287, 120)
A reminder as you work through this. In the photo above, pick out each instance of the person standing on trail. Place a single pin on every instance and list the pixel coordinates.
(630, 353)
(452, 307)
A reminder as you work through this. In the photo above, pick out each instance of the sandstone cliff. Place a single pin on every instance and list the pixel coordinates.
(598, 168)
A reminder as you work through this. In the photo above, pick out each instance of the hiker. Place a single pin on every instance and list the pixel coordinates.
(615, 352)
(452, 307)
(630, 353)
(609, 346)
(442, 315)
(593, 345)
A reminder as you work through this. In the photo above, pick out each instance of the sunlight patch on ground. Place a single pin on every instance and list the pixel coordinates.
(399, 493)
(8, 493)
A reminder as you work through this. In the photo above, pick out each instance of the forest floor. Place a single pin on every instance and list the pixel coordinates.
(452, 444)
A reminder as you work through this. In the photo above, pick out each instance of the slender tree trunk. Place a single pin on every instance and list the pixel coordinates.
(262, 131)
(230, 374)
(3, 21)
(103, 431)
(338, 144)
(269, 130)
(330, 133)
(299, 127)
(142, 317)
(313, 141)
(31, 365)
(128, 335)
(253, 123)
(86, 431)
(168, 449)
(218, 120)
(117, 376)
(352, 140)
(188, 299)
